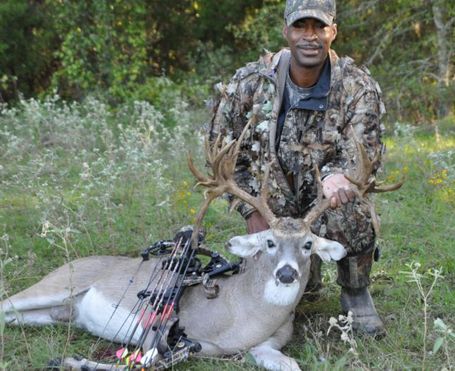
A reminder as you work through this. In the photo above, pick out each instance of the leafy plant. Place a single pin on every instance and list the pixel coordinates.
(446, 336)
(413, 275)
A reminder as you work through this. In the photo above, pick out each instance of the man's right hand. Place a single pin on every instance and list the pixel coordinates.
(338, 190)
(256, 223)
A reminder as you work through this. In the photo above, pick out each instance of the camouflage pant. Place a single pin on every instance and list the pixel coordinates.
(351, 226)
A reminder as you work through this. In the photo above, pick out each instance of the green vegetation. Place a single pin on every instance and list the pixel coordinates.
(122, 50)
(79, 179)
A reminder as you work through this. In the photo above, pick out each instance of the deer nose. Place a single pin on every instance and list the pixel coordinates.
(287, 274)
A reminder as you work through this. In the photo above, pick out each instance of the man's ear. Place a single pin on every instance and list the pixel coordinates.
(329, 250)
(334, 31)
(285, 31)
(248, 245)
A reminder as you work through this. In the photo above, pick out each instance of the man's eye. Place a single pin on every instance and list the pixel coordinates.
(299, 24)
(270, 244)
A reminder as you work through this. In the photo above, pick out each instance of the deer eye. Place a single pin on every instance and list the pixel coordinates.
(270, 244)
(308, 245)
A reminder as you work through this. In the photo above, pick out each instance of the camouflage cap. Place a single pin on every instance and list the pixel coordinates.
(324, 10)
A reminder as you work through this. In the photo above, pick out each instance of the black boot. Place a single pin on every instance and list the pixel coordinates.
(360, 303)
(354, 278)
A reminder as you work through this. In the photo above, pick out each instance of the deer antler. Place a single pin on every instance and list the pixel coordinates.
(363, 179)
(222, 160)
(365, 182)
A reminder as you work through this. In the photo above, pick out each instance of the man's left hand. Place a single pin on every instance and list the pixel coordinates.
(338, 189)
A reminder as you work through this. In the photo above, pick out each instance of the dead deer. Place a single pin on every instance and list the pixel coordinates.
(253, 311)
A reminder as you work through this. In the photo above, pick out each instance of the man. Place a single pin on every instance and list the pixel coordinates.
(307, 105)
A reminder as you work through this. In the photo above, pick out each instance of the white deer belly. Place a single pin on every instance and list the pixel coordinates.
(96, 314)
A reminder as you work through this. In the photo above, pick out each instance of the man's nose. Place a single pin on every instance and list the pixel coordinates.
(309, 32)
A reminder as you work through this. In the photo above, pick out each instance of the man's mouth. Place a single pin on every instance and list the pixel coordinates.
(309, 46)
(309, 50)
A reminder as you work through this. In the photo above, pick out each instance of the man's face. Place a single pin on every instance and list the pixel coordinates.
(309, 40)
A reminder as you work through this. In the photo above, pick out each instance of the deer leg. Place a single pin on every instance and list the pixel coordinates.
(42, 316)
(268, 354)
(40, 310)
(265, 355)
(87, 365)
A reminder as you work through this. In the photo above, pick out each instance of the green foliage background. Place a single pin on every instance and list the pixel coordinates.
(120, 50)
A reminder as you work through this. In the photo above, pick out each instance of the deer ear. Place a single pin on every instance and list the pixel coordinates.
(248, 245)
(329, 250)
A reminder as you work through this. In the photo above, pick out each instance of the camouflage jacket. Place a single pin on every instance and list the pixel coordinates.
(309, 138)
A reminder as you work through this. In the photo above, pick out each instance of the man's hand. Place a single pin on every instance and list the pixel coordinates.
(256, 223)
(338, 189)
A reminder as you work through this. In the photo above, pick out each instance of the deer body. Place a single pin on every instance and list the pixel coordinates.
(252, 308)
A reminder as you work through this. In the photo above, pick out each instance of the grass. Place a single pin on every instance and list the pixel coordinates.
(113, 183)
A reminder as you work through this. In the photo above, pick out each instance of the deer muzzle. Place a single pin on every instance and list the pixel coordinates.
(287, 274)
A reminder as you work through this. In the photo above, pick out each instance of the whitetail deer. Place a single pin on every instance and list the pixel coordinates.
(252, 312)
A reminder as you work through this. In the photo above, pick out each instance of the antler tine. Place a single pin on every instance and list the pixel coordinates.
(223, 156)
(388, 188)
(211, 151)
(214, 156)
(322, 203)
(226, 159)
(365, 182)
(200, 215)
(264, 192)
(197, 174)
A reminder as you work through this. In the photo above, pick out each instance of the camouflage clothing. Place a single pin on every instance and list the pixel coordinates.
(308, 139)
(324, 10)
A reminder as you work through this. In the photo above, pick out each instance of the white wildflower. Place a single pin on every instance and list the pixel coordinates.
(45, 229)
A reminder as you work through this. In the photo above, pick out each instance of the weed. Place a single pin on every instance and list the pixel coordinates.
(344, 324)
(413, 275)
(445, 337)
